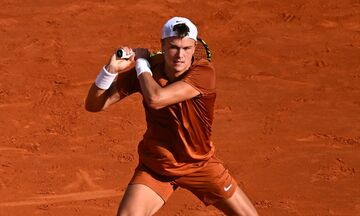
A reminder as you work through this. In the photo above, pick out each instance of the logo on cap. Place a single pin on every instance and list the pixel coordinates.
(187, 30)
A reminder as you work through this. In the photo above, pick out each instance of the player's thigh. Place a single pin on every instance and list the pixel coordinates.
(237, 204)
(139, 200)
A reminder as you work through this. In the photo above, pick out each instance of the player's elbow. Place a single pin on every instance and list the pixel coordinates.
(155, 106)
(91, 108)
(155, 102)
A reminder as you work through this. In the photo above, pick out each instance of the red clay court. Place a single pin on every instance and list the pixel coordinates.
(287, 119)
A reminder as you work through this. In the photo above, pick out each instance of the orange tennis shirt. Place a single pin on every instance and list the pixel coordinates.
(178, 137)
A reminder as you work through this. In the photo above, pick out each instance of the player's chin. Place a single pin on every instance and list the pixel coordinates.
(179, 67)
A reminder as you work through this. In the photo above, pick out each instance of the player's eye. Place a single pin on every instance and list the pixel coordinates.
(174, 48)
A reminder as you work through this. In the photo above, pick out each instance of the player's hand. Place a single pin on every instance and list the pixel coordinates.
(118, 65)
(142, 53)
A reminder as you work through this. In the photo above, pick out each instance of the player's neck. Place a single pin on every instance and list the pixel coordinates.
(172, 74)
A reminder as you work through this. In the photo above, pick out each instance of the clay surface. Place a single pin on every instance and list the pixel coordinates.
(286, 119)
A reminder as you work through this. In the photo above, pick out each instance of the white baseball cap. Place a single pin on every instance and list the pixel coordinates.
(169, 31)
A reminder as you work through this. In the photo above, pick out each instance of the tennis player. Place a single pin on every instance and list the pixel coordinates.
(176, 149)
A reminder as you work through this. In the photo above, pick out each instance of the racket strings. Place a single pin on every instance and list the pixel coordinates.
(202, 50)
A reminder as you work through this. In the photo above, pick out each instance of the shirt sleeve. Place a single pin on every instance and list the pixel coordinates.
(127, 83)
(202, 77)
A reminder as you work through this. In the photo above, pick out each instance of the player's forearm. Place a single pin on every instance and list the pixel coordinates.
(103, 92)
(151, 91)
(96, 99)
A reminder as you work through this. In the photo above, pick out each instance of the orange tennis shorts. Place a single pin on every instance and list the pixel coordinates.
(210, 184)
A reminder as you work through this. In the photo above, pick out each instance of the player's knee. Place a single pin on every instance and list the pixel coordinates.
(130, 212)
(238, 211)
(248, 212)
(134, 211)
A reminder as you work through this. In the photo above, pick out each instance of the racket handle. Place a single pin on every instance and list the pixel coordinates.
(120, 53)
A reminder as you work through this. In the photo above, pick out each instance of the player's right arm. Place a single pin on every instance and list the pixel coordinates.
(100, 98)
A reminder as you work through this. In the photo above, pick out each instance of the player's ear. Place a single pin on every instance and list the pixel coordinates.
(162, 45)
(194, 47)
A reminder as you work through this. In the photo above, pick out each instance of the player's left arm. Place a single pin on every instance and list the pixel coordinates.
(158, 97)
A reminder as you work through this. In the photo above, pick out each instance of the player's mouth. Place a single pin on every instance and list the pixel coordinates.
(178, 62)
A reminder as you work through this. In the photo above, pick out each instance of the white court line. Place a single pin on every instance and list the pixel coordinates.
(13, 149)
(50, 199)
(5, 105)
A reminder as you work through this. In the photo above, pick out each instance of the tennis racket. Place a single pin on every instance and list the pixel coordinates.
(202, 50)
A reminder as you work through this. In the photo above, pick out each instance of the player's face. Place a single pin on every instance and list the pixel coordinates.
(178, 54)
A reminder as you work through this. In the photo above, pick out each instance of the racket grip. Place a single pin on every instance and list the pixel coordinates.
(120, 53)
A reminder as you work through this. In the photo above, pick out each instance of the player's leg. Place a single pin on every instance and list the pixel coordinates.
(140, 200)
(146, 194)
(237, 204)
(214, 185)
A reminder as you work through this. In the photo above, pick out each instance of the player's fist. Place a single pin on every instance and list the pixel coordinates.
(142, 53)
(118, 64)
